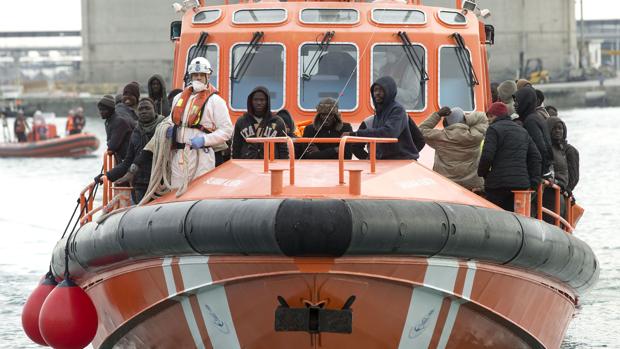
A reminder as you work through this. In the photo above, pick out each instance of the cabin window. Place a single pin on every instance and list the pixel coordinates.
(392, 60)
(452, 17)
(211, 53)
(328, 71)
(455, 89)
(333, 16)
(259, 66)
(259, 16)
(206, 17)
(389, 16)
(440, 3)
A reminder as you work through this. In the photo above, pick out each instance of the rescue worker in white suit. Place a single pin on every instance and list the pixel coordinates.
(201, 122)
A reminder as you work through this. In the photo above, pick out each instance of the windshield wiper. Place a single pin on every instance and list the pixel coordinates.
(413, 57)
(246, 58)
(198, 49)
(317, 55)
(464, 61)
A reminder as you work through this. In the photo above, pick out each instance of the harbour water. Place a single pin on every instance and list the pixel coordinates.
(38, 196)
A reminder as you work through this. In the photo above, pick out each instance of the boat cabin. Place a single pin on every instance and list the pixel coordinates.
(305, 51)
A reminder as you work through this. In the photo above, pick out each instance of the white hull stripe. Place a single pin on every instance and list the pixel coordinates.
(213, 303)
(172, 289)
(456, 304)
(469, 280)
(426, 303)
(187, 308)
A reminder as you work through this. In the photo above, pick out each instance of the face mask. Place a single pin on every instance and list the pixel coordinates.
(198, 86)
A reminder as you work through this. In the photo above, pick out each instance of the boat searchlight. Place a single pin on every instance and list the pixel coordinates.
(470, 5)
(187, 4)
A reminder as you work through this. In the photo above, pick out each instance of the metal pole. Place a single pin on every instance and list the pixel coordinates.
(581, 40)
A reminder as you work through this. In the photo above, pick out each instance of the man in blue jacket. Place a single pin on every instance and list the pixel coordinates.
(390, 121)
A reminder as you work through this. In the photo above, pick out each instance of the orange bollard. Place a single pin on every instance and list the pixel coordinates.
(276, 181)
(523, 202)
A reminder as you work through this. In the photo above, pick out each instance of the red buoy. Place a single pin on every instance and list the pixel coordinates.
(32, 308)
(68, 318)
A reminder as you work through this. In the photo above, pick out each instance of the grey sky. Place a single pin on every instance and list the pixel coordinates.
(33, 15)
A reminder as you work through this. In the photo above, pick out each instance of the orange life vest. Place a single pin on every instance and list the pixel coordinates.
(69, 125)
(196, 107)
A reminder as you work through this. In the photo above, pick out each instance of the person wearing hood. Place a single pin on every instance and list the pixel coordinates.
(540, 101)
(157, 92)
(131, 171)
(505, 91)
(118, 129)
(525, 105)
(258, 121)
(129, 102)
(565, 165)
(390, 121)
(201, 126)
(509, 160)
(327, 123)
(291, 128)
(457, 145)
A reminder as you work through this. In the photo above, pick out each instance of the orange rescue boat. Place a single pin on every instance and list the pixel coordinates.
(329, 253)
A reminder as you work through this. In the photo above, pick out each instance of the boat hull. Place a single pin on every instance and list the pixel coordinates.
(69, 146)
(231, 302)
(208, 273)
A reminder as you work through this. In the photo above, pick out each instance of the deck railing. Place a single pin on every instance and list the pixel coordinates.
(354, 175)
(115, 197)
(523, 200)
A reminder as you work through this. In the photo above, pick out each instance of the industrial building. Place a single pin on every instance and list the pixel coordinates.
(128, 40)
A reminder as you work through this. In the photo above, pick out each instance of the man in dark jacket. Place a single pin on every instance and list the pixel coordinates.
(327, 123)
(509, 161)
(131, 170)
(258, 121)
(390, 121)
(20, 126)
(536, 126)
(157, 92)
(117, 128)
(129, 105)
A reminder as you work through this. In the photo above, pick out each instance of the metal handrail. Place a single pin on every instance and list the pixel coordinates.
(269, 146)
(86, 205)
(559, 221)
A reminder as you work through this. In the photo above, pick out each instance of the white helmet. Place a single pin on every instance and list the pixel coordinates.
(199, 65)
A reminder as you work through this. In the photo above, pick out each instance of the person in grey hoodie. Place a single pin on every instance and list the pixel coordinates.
(157, 92)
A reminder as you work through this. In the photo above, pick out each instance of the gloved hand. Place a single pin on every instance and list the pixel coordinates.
(169, 132)
(444, 111)
(198, 142)
(98, 178)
